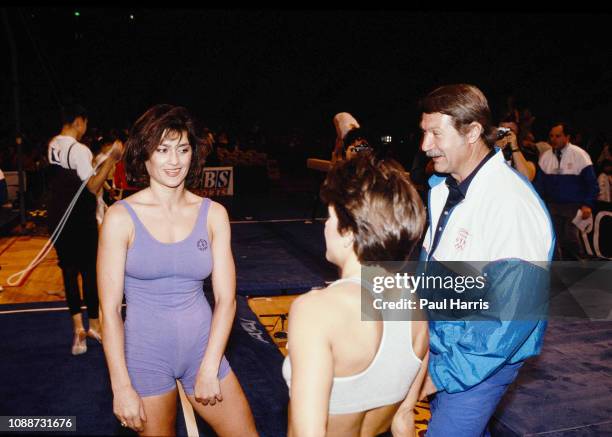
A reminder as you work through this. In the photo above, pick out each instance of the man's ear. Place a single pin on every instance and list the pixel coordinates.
(77, 123)
(474, 131)
(349, 238)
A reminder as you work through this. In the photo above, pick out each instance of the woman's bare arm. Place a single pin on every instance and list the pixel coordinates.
(403, 421)
(112, 252)
(224, 288)
(312, 366)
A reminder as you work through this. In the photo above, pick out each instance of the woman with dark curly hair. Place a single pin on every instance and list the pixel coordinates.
(158, 246)
(348, 376)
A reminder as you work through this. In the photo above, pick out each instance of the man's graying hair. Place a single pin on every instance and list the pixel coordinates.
(465, 104)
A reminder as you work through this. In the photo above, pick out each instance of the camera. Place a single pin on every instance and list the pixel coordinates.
(502, 132)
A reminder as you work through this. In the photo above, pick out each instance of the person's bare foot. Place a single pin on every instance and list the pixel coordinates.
(96, 335)
(79, 345)
(95, 331)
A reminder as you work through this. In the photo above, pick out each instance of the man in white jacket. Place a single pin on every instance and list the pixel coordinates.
(480, 210)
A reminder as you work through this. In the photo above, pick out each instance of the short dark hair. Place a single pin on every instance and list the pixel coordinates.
(365, 137)
(376, 201)
(567, 129)
(71, 111)
(356, 134)
(150, 130)
(465, 104)
(109, 136)
(106, 137)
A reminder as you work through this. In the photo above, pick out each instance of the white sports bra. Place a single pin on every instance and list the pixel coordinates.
(387, 378)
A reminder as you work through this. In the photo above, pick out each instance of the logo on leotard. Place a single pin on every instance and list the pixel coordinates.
(202, 244)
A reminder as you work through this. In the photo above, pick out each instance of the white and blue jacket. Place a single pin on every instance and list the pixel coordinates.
(503, 222)
(572, 180)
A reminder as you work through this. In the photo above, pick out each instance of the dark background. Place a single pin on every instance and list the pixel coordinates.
(291, 71)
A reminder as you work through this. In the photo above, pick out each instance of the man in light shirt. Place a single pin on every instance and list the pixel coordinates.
(70, 165)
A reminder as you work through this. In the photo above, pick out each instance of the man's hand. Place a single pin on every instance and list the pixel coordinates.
(586, 212)
(344, 122)
(508, 141)
(429, 388)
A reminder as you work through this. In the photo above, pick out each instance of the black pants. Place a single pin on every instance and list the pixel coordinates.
(569, 245)
(76, 251)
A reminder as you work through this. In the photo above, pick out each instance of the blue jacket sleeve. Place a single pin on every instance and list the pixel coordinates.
(464, 353)
(591, 187)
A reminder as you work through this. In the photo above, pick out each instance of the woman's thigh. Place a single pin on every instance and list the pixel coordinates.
(232, 416)
(161, 414)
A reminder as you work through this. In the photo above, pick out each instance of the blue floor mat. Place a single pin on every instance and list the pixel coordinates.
(565, 391)
(278, 258)
(38, 376)
(294, 205)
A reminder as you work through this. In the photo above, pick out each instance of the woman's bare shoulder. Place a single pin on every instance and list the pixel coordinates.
(314, 302)
(322, 306)
(117, 213)
(117, 221)
(216, 209)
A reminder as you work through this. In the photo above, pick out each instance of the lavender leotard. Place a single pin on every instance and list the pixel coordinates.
(168, 318)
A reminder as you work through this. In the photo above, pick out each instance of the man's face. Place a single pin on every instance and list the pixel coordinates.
(81, 127)
(557, 137)
(443, 143)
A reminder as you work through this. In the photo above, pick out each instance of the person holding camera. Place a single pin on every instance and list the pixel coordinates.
(520, 158)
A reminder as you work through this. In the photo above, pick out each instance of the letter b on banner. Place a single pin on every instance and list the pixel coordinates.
(218, 181)
(210, 179)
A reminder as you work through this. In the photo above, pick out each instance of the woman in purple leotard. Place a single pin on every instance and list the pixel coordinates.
(157, 246)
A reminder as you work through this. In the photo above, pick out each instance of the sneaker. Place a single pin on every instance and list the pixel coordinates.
(79, 345)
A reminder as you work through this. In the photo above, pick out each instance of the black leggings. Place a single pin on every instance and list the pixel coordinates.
(90, 289)
(76, 251)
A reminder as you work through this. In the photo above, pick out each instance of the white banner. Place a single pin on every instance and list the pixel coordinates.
(218, 181)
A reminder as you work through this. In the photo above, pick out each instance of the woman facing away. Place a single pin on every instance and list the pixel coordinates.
(157, 246)
(350, 377)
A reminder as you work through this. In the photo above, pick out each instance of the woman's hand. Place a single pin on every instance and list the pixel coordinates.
(403, 423)
(207, 388)
(129, 409)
